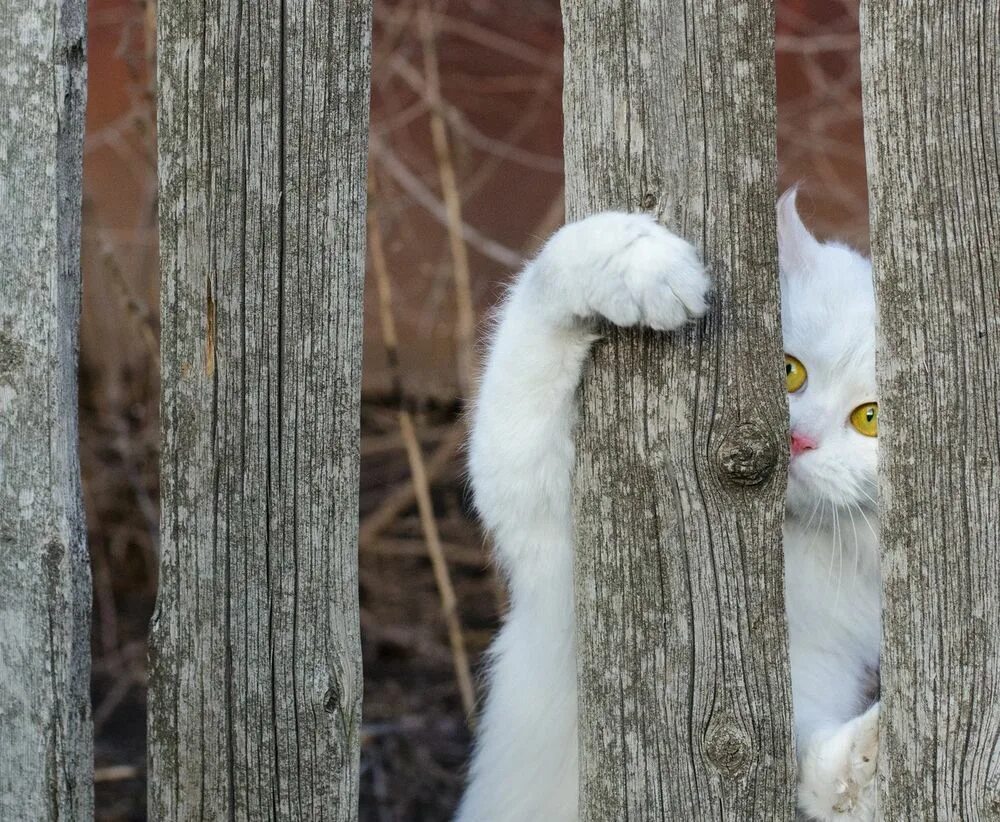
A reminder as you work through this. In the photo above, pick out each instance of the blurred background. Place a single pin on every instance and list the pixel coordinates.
(467, 114)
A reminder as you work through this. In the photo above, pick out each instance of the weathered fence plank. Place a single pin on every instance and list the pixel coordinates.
(685, 709)
(256, 675)
(46, 756)
(932, 93)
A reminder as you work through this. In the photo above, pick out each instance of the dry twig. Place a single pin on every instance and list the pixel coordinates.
(456, 554)
(117, 773)
(465, 323)
(425, 198)
(404, 495)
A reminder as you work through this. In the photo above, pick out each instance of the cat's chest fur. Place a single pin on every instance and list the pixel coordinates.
(832, 572)
(833, 602)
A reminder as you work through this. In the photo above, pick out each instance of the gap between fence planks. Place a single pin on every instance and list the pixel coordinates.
(418, 469)
(46, 750)
(931, 80)
(685, 709)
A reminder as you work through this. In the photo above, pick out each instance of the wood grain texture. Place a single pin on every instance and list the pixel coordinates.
(46, 751)
(256, 664)
(931, 97)
(685, 709)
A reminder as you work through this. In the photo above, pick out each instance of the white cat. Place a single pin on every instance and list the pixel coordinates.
(631, 271)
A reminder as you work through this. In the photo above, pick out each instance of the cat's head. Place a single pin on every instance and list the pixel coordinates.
(828, 321)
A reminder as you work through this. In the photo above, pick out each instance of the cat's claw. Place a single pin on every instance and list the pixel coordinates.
(837, 782)
(629, 270)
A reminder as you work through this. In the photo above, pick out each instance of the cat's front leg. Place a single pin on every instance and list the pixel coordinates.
(837, 779)
(626, 269)
(623, 268)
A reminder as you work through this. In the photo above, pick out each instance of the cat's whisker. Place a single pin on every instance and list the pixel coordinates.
(839, 538)
(868, 496)
(812, 514)
(819, 525)
(857, 548)
(833, 545)
(871, 527)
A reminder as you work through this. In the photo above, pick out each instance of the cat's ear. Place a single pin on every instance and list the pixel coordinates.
(796, 246)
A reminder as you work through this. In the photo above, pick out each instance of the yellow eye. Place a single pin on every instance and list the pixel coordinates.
(865, 419)
(795, 374)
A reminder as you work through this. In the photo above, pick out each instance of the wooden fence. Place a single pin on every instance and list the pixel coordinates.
(46, 754)
(684, 709)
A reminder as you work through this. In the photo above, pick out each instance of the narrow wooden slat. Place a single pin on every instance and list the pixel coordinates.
(256, 677)
(46, 751)
(685, 710)
(931, 74)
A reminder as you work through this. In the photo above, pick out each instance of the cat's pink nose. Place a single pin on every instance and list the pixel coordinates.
(800, 443)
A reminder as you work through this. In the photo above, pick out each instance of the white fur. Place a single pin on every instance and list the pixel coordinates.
(629, 270)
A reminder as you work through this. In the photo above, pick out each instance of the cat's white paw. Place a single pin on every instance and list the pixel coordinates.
(837, 782)
(627, 269)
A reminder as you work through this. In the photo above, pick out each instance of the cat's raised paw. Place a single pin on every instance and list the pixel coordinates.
(629, 270)
(837, 782)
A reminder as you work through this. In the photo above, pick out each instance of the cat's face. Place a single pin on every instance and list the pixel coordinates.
(828, 321)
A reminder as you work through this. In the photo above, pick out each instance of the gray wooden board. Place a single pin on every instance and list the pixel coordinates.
(685, 709)
(46, 750)
(256, 664)
(931, 75)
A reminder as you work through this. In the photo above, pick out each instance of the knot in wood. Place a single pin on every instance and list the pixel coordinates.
(52, 559)
(728, 747)
(748, 454)
(331, 699)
